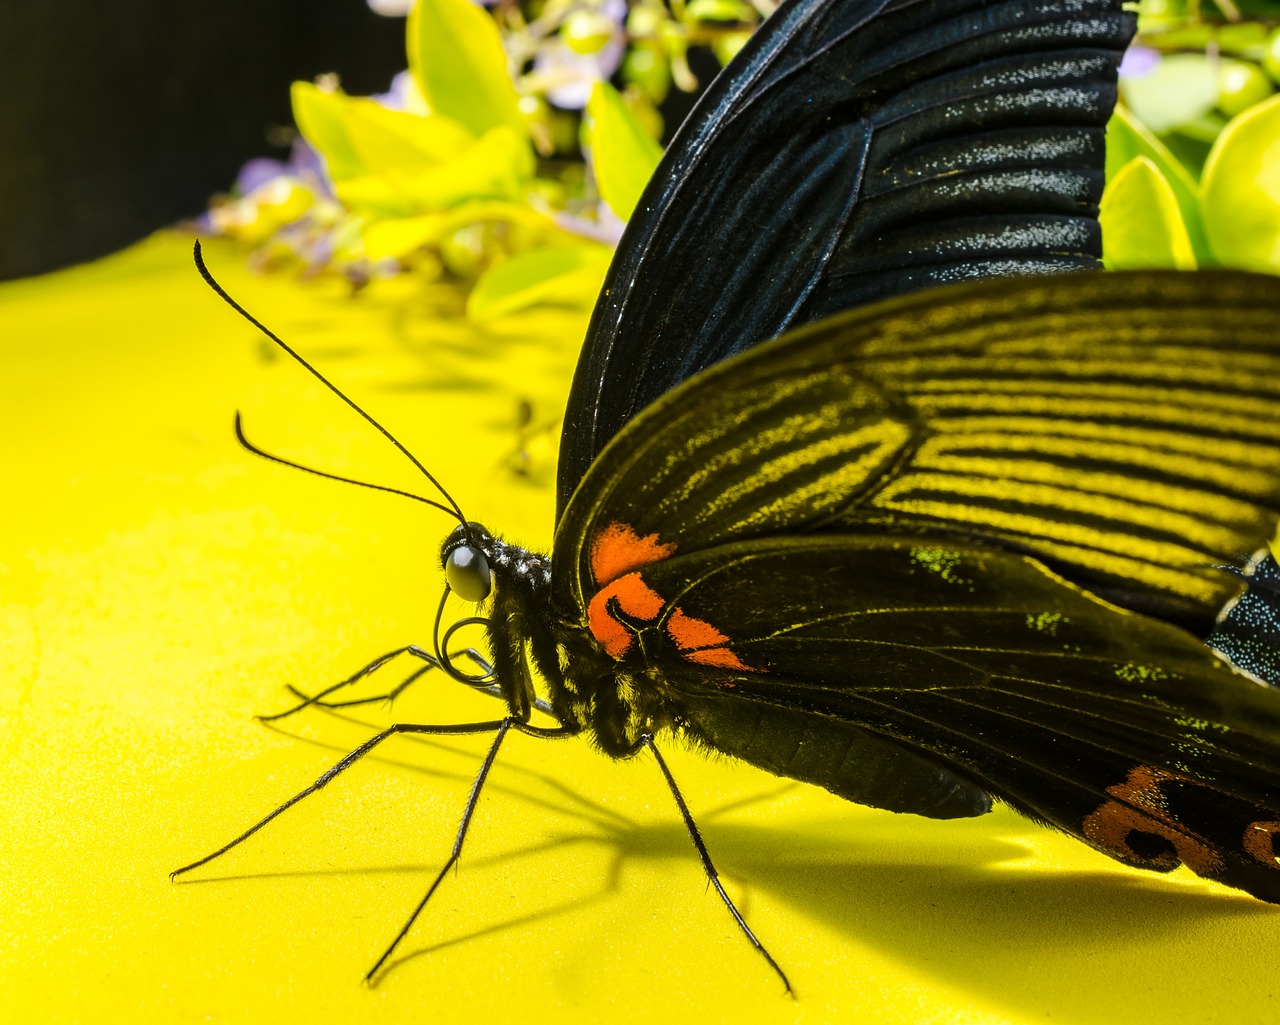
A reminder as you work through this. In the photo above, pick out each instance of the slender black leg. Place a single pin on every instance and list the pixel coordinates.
(319, 701)
(710, 869)
(358, 675)
(389, 696)
(467, 813)
(347, 761)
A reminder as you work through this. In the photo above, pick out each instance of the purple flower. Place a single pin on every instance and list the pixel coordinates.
(257, 172)
(397, 96)
(572, 75)
(1139, 61)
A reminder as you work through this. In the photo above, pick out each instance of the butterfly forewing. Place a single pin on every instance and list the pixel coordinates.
(852, 151)
(1122, 428)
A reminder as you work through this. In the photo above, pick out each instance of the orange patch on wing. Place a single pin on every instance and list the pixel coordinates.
(721, 658)
(634, 597)
(1141, 807)
(1260, 843)
(688, 632)
(618, 549)
(705, 639)
(614, 550)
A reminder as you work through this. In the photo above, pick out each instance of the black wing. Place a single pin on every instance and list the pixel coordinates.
(1123, 731)
(1249, 634)
(854, 149)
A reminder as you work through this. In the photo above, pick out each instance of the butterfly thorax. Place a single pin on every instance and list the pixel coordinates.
(615, 703)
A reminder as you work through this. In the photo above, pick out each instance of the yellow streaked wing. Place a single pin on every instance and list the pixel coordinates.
(1123, 428)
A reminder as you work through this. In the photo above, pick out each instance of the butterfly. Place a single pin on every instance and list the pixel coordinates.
(943, 547)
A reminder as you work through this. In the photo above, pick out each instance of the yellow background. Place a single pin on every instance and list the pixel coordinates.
(159, 586)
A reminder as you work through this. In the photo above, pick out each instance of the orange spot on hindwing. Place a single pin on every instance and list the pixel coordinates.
(626, 603)
(1260, 843)
(701, 642)
(1140, 811)
(635, 599)
(618, 549)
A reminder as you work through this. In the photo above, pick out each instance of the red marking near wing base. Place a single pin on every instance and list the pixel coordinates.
(698, 640)
(1260, 842)
(688, 632)
(618, 549)
(698, 634)
(635, 598)
(721, 658)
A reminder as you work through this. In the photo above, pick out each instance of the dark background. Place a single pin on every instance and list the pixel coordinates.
(118, 117)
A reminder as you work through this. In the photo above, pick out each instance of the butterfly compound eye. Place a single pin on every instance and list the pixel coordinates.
(467, 571)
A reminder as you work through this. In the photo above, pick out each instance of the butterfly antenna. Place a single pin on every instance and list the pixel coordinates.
(452, 507)
(248, 445)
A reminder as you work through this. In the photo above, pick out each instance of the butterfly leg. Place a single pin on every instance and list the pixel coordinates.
(510, 722)
(356, 677)
(431, 662)
(500, 727)
(454, 729)
(708, 867)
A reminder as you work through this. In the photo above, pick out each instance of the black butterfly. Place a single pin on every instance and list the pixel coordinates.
(960, 544)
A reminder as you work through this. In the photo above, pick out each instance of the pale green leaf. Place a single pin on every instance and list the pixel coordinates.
(496, 166)
(1128, 138)
(393, 141)
(396, 237)
(320, 115)
(720, 10)
(1141, 223)
(1240, 190)
(559, 274)
(1181, 88)
(623, 155)
(456, 56)
(399, 235)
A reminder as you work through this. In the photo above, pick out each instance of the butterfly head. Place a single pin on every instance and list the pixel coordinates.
(466, 564)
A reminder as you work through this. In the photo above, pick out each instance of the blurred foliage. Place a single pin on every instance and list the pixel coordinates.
(1193, 153)
(505, 159)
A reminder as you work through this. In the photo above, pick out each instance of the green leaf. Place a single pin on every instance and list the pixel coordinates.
(496, 166)
(320, 115)
(456, 56)
(622, 153)
(564, 274)
(1181, 88)
(1141, 223)
(1127, 139)
(720, 10)
(398, 235)
(1240, 190)
(1155, 15)
(394, 141)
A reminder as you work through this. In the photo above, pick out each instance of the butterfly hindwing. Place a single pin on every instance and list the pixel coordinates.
(853, 150)
(1124, 731)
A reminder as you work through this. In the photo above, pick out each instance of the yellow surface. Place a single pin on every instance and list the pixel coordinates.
(159, 586)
